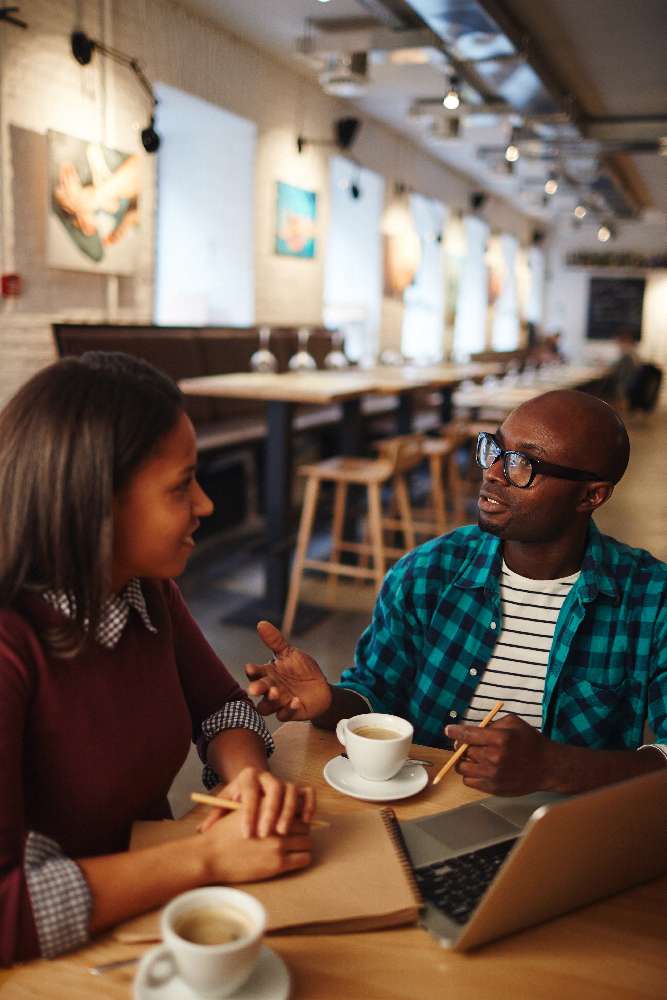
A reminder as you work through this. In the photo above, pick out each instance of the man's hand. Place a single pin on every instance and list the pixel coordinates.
(509, 757)
(291, 684)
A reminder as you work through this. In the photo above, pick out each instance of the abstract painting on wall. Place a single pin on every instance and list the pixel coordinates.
(93, 210)
(296, 217)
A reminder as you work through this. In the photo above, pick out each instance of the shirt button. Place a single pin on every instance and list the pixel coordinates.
(492, 625)
(453, 714)
(473, 671)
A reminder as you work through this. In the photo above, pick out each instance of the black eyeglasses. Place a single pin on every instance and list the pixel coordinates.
(519, 469)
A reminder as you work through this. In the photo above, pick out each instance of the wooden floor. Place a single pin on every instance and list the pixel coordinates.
(636, 514)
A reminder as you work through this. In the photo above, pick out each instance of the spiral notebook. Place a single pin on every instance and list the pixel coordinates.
(360, 879)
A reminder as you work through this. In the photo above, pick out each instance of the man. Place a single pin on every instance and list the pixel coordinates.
(533, 606)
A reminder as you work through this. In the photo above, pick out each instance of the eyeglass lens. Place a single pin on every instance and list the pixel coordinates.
(517, 467)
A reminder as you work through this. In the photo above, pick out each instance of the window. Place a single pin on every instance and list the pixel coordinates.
(422, 336)
(353, 262)
(506, 309)
(205, 215)
(470, 326)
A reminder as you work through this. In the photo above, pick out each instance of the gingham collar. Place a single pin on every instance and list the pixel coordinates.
(115, 614)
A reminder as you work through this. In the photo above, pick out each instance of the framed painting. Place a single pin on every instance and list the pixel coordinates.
(296, 219)
(93, 206)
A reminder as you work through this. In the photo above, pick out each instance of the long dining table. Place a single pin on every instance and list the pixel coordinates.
(505, 394)
(282, 393)
(616, 947)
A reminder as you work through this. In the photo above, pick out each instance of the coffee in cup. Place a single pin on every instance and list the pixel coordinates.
(377, 744)
(377, 733)
(214, 938)
(213, 925)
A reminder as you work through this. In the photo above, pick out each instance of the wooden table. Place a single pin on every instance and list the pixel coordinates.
(616, 948)
(505, 395)
(281, 393)
(404, 379)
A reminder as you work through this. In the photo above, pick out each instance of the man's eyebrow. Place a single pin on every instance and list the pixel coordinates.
(521, 445)
(188, 470)
(529, 446)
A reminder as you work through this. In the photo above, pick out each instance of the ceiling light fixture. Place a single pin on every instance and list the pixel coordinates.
(551, 185)
(83, 49)
(452, 98)
(604, 234)
(580, 212)
(512, 152)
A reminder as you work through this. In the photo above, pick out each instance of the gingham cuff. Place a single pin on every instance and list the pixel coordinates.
(234, 715)
(59, 894)
(660, 747)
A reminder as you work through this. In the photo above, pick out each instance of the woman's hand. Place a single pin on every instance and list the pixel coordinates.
(229, 857)
(268, 805)
(291, 684)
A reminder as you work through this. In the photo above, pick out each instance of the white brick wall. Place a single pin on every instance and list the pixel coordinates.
(42, 87)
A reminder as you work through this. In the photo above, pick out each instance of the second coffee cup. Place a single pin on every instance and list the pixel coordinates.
(377, 744)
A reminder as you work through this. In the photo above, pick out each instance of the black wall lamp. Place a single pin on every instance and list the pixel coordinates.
(8, 14)
(83, 48)
(345, 132)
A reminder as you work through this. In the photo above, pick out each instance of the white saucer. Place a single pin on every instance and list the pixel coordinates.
(338, 773)
(269, 981)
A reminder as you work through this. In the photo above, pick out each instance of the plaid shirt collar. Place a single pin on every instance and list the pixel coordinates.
(482, 568)
(115, 614)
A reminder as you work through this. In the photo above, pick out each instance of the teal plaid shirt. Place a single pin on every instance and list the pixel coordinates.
(438, 616)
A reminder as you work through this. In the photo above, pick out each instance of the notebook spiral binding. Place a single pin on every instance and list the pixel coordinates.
(388, 817)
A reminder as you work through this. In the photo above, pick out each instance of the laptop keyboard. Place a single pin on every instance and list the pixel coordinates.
(455, 886)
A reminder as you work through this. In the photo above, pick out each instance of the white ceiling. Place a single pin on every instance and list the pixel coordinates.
(609, 54)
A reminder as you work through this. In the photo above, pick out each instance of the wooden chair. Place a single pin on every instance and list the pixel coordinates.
(401, 455)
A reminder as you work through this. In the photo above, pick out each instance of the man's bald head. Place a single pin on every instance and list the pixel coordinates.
(587, 433)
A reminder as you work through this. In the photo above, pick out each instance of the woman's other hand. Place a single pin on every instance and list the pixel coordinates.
(268, 804)
(228, 856)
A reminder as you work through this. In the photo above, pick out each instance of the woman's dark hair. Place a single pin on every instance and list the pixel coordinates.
(70, 439)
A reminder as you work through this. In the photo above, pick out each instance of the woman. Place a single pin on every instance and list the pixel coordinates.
(104, 675)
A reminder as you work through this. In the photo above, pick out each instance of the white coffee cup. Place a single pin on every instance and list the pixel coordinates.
(372, 758)
(213, 970)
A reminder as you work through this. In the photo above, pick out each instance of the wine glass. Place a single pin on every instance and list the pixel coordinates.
(336, 356)
(302, 361)
(263, 360)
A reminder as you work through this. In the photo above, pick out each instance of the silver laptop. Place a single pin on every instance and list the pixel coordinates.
(493, 867)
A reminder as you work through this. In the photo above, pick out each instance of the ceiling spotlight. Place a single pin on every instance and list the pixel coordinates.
(580, 212)
(604, 234)
(551, 185)
(512, 153)
(452, 98)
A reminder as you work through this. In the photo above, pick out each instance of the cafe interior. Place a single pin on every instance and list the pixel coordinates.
(357, 233)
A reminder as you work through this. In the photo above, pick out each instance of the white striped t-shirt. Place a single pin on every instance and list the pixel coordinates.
(516, 671)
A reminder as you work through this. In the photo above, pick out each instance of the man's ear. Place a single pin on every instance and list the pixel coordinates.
(594, 496)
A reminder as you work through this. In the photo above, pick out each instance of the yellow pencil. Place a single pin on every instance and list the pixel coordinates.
(214, 800)
(464, 746)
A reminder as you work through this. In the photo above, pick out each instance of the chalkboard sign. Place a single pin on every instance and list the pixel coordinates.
(615, 307)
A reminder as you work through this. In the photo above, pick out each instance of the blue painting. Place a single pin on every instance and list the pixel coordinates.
(296, 216)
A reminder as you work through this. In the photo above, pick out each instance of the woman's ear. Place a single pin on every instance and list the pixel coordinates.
(594, 496)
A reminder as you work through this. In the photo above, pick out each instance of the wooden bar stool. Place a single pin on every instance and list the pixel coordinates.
(444, 485)
(403, 455)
